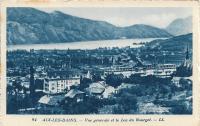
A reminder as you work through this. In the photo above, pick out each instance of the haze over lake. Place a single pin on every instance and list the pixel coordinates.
(84, 45)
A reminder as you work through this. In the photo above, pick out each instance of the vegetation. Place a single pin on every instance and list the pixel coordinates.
(114, 80)
(159, 91)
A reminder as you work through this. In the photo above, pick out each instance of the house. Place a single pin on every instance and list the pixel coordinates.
(49, 100)
(124, 86)
(96, 89)
(74, 95)
(87, 74)
(176, 81)
(159, 70)
(59, 85)
(126, 71)
(109, 90)
(25, 84)
(49, 104)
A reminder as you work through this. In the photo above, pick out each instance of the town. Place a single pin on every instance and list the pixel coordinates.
(99, 81)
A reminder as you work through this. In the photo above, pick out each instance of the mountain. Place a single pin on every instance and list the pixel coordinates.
(172, 50)
(141, 31)
(32, 26)
(177, 43)
(180, 26)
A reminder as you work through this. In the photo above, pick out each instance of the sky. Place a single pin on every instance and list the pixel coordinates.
(156, 16)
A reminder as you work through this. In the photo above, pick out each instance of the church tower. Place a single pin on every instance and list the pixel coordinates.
(187, 62)
(185, 69)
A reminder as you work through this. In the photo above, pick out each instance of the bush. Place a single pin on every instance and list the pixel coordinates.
(114, 80)
(182, 109)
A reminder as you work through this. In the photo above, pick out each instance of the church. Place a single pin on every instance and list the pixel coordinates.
(185, 69)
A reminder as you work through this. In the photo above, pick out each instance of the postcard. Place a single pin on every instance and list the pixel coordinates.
(74, 63)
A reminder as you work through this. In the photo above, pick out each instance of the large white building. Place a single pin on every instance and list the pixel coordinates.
(160, 70)
(157, 70)
(125, 70)
(57, 85)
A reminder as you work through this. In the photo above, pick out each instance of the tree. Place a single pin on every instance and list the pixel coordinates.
(96, 77)
(17, 86)
(184, 71)
(9, 89)
(12, 105)
(181, 109)
(32, 81)
(85, 83)
(114, 80)
(128, 103)
(135, 78)
(88, 106)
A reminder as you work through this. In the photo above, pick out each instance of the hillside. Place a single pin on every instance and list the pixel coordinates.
(31, 26)
(171, 50)
(177, 43)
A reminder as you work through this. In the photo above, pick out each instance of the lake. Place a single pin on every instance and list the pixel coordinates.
(84, 44)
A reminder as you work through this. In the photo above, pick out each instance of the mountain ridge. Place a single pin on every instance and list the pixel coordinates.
(176, 43)
(32, 26)
(180, 26)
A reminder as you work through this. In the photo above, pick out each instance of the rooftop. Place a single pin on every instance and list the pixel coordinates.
(72, 93)
(51, 100)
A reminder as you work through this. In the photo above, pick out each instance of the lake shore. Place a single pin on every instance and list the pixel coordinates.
(84, 45)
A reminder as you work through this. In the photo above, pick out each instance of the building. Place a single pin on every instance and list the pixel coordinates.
(51, 100)
(144, 70)
(108, 92)
(74, 95)
(101, 90)
(185, 69)
(187, 62)
(124, 86)
(160, 69)
(49, 104)
(58, 85)
(125, 70)
(176, 81)
(86, 74)
(96, 89)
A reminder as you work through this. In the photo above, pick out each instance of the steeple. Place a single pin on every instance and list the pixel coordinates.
(187, 59)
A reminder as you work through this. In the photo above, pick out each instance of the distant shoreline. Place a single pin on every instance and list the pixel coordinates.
(83, 44)
(88, 41)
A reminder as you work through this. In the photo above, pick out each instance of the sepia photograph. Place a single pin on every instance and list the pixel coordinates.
(99, 60)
